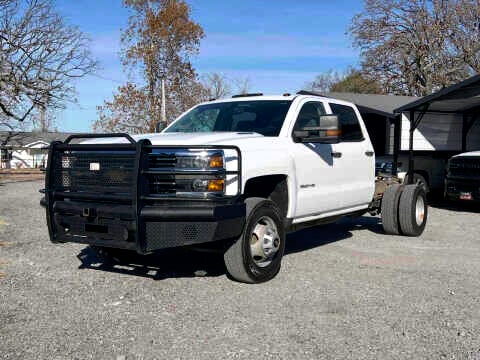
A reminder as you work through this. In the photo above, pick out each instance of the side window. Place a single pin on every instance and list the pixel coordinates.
(309, 115)
(351, 130)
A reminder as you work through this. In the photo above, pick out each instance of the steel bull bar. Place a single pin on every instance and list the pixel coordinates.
(99, 194)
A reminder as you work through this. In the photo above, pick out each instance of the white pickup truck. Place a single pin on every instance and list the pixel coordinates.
(238, 173)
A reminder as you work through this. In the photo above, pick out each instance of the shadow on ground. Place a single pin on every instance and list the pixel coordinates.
(187, 262)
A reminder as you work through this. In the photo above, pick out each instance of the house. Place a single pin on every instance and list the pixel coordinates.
(26, 149)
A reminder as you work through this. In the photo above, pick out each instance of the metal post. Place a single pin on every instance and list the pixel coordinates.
(397, 129)
(464, 132)
(410, 148)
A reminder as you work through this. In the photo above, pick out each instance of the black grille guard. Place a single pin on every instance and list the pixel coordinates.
(137, 198)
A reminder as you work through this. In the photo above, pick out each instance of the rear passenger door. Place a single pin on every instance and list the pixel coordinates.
(353, 156)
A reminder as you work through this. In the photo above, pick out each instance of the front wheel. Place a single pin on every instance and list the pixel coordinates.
(257, 254)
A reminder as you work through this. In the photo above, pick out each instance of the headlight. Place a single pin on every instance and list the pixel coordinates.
(194, 172)
(202, 160)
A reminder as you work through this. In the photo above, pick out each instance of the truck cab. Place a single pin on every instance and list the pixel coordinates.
(462, 181)
(238, 172)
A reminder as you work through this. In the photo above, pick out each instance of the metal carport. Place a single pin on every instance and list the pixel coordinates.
(462, 98)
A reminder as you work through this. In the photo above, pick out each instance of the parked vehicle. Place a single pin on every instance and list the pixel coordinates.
(463, 177)
(238, 173)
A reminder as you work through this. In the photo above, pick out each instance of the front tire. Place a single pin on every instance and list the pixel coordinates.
(256, 255)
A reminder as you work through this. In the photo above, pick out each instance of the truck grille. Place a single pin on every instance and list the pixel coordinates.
(93, 171)
(465, 167)
(162, 184)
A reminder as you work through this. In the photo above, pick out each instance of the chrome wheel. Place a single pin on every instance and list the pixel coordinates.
(264, 241)
(420, 210)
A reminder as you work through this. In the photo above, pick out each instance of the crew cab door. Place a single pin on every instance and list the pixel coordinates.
(315, 170)
(353, 158)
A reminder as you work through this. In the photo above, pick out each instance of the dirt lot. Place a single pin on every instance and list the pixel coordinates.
(345, 291)
(16, 175)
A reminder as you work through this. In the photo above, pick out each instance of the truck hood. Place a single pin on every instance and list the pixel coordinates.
(199, 138)
(467, 154)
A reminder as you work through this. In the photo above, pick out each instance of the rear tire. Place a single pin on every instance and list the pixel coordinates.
(413, 210)
(390, 201)
(256, 255)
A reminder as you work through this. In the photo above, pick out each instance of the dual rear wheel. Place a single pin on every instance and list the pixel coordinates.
(404, 210)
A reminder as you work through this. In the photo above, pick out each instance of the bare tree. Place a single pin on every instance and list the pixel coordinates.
(465, 35)
(217, 85)
(415, 47)
(242, 85)
(40, 56)
(159, 41)
(352, 81)
(323, 82)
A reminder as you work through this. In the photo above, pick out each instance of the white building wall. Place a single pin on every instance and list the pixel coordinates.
(437, 132)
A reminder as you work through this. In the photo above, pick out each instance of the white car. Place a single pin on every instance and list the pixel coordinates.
(238, 173)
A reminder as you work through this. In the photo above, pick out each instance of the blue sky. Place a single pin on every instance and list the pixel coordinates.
(279, 45)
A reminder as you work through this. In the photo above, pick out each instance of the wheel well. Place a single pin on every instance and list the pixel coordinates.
(424, 174)
(273, 187)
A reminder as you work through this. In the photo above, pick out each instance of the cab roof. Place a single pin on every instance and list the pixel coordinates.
(258, 97)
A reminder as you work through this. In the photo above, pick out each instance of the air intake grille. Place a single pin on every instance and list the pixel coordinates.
(162, 184)
(156, 161)
(91, 171)
(465, 167)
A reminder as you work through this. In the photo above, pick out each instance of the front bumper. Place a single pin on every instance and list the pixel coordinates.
(455, 188)
(160, 227)
(112, 205)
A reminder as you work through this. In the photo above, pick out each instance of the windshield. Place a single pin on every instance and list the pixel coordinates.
(262, 116)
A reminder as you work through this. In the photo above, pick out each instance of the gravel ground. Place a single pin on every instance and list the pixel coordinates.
(345, 291)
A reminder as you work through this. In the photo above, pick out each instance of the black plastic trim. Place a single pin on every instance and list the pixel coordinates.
(99, 136)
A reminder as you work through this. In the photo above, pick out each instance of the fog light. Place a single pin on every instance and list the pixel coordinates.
(200, 185)
(216, 185)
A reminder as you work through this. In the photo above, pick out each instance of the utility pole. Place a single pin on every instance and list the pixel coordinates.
(43, 122)
(164, 110)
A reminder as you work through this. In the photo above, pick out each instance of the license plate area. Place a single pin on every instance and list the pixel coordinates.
(466, 196)
(95, 228)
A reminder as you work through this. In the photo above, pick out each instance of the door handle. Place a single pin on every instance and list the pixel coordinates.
(336, 154)
(369, 153)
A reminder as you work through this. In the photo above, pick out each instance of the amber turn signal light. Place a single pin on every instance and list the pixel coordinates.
(216, 161)
(216, 185)
(336, 132)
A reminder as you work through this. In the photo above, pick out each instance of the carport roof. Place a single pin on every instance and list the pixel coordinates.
(380, 104)
(458, 98)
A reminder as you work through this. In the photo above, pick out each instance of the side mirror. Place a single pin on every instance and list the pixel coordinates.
(328, 131)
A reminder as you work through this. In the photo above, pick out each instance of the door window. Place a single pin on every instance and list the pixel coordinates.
(349, 124)
(309, 115)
